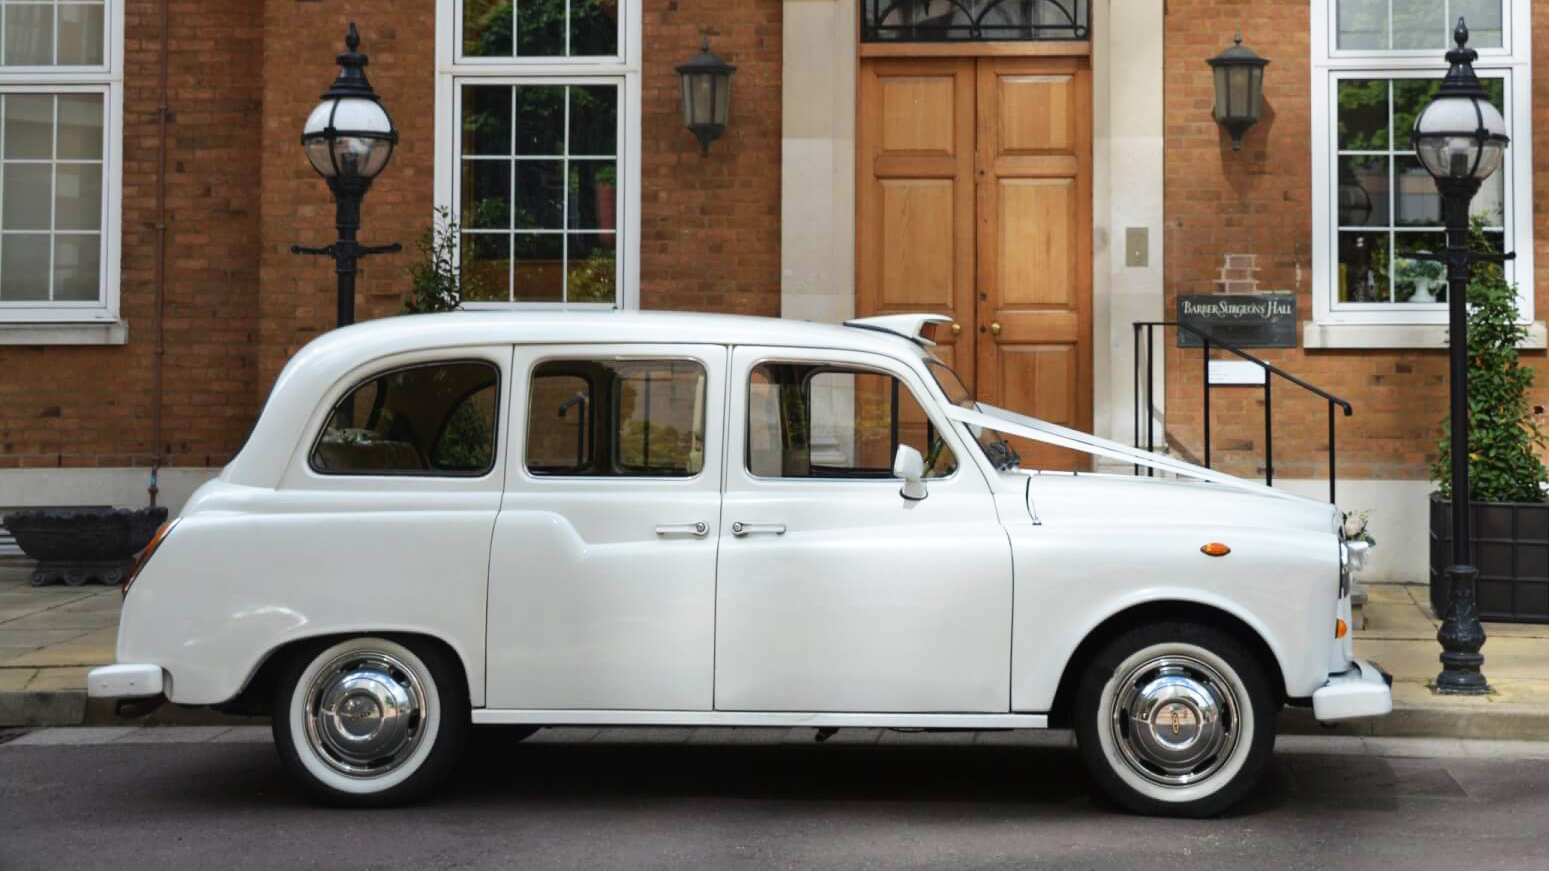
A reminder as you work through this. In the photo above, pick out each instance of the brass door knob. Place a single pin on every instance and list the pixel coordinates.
(995, 328)
(957, 329)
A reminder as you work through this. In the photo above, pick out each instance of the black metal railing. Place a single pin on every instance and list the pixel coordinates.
(1207, 342)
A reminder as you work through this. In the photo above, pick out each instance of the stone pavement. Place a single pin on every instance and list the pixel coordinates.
(51, 636)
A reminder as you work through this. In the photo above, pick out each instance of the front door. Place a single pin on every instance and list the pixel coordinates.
(834, 592)
(975, 201)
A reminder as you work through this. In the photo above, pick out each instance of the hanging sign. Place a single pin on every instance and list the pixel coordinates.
(1258, 320)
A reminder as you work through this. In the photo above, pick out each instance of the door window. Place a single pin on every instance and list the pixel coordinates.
(815, 420)
(617, 418)
(437, 419)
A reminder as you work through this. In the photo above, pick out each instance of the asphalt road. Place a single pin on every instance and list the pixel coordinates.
(719, 800)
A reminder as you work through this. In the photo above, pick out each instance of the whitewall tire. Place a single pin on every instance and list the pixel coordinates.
(370, 721)
(1175, 719)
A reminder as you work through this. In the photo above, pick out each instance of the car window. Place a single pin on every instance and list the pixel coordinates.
(808, 420)
(436, 419)
(617, 418)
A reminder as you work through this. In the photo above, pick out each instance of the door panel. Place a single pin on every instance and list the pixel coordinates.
(915, 227)
(601, 595)
(864, 601)
(1034, 245)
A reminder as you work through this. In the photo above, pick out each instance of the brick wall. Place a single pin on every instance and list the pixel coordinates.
(88, 406)
(244, 76)
(1220, 205)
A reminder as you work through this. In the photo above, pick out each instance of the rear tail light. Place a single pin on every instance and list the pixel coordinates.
(145, 555)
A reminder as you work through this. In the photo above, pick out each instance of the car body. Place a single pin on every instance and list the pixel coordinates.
(665, 518)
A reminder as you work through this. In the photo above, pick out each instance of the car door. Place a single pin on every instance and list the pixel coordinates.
(834, 592)
(602, 567)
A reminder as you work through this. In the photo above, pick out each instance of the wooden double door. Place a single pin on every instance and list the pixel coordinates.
(975, 200)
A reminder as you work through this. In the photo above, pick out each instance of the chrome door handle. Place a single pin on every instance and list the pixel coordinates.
(740, 529)
(697, 528)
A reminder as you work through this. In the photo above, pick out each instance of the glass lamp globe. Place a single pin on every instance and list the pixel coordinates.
(349, 137)
(1460, 135)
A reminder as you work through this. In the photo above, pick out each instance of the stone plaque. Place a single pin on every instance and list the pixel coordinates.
(1258, 320)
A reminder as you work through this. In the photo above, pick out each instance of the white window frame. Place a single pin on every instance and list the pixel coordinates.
(106, 79)
(453, 70)
(1364, 322)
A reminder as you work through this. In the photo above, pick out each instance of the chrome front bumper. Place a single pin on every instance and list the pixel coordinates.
(1363, 690)
(124, 681)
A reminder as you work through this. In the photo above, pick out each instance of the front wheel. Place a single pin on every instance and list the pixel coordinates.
(370, 722)
(1175, 719)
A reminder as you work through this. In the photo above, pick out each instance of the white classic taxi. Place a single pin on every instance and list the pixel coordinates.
(650, 518)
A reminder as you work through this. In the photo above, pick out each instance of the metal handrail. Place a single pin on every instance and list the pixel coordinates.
(1206, 343)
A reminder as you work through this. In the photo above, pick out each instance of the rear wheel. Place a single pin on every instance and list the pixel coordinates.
(1175, 719)
(370, 722)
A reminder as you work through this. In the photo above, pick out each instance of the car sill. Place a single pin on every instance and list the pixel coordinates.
(758, 718)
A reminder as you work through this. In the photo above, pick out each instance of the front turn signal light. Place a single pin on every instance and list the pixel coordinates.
(1215, 548)
(1341, 628)
(145, 555)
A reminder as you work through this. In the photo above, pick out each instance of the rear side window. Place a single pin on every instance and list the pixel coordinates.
(436, 419)
(616, 418)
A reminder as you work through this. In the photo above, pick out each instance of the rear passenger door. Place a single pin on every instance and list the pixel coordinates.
(602, 569)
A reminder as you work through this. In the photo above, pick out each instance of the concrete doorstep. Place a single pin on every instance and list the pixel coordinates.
(51, 636)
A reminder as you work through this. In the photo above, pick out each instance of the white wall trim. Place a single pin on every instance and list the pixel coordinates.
(1398, 336)
(106, 333)
(120, 487)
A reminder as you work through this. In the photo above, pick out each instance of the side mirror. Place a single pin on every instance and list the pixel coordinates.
(909, 465)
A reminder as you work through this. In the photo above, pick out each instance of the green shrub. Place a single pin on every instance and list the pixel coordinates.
(436, 282)
(1503, 433)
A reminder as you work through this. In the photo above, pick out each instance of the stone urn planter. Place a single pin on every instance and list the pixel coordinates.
(1511, 552)
(76, 545)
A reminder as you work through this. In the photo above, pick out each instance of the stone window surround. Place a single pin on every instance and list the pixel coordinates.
(98, 325)
(625, 71)
(1331, 327)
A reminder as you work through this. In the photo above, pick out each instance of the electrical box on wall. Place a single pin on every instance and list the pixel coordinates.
(1137, 247)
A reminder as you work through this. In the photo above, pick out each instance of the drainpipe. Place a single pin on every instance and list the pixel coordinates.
(160, 353)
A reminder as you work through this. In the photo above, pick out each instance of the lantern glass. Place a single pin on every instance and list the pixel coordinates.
(706, 99)
(350, 137)
(1460, 137)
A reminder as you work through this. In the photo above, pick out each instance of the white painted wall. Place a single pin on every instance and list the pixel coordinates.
(1400, 521)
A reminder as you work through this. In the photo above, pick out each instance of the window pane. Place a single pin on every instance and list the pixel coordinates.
(486, 119)
(29, 34)
(817, 421)
(1418, 281)
(593, 195)
(78, 196)
(23, 267)
(540, 120)
(1420, 24)
(540, 267)
(594, 27)
(540, 195)
(594, 113)
(486, 194)
(1410, 97)
(1484, 22)
(26, 205)
(80, 127)
(1417, 200)
(540, 28)
(80, 34)
(1363, 195)
(487, 28)
(423, 420)
(486, 267)
(593, 268)
(78, 267)
(1363, 267)
(29, 126)
(1362, 24)
(617, 418)
(1363, 114)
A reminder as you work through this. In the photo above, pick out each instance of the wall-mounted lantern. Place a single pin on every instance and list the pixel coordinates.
(1239, 80)
(706, 96)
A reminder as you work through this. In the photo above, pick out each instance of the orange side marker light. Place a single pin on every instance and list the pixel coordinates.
(1215, 548)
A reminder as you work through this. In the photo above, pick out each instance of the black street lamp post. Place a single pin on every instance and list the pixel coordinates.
(349, 139)
(1461, 139)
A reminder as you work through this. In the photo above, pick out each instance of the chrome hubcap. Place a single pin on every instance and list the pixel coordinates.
(1174, 720)
(365, 714)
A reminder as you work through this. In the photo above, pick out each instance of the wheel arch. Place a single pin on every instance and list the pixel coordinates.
(1168, 610)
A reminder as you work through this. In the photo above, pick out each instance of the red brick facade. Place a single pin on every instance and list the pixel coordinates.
(1258, 202)
(243, 74)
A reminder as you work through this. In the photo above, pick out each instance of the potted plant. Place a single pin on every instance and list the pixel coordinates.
(437, 282)
(76, 545)
(1510, 535)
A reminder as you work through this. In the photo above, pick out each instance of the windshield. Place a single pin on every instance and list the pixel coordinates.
(999, 452)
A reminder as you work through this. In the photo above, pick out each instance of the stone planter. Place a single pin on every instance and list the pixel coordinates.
(1511, 552)
(76, 545)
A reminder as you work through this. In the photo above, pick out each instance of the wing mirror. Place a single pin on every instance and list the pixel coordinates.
(909, 465)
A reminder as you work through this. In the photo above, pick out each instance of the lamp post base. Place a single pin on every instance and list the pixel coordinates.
(1461, 637)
